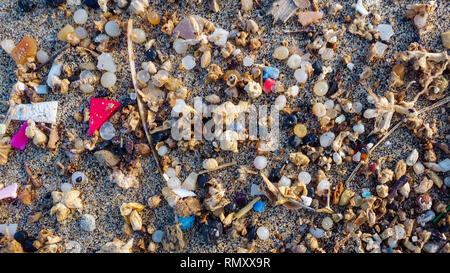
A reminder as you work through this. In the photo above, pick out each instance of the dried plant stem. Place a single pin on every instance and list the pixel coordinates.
(430, 79)
(139, 101)
(219, 167)
(246, 209)
(52, 57)
(160, 129)
(426, 109)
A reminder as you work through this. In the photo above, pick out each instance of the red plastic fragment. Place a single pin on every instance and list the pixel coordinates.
(100, 111)
(20, 140)
(268, 85)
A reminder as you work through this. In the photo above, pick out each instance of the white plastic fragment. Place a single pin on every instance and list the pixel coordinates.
(254, 190)
(41, 89)
(106, 62)
(360, 8)
(219, 37)
(7, 45)
(182, 193)
(445, 165)
(55, 70)
(8, 229)
(386, 31)
(38, 112)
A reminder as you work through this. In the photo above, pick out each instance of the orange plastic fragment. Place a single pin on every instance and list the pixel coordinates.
(308, 17)
(23, 50)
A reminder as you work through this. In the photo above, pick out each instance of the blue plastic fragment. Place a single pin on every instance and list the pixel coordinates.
(390, 250)
(259, 206)
(366, 193)
(270, 72)
(308, 251)
(186, 222)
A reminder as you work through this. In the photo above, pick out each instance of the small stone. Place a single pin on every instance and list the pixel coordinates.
(281, 53)
(188, 62)
(219, 37)
(294, 61)
(357, 157)
(317, 232)
(9, 192)
(418, 168)
(350, 66)
(308, 17)
(174, 183)
(260, 162)
(412, 158)
(447, 181)
(153, 17)
(263, 233)
(445, 36)
(64, 32)
(106, 158)
(157, 236)
(445, 165)
(26, 5)
(327, 223)
(87, 223)
(386, 31)
(210, 163)
(358, 128)
(7, 45)
(320, 88)
(306, 200)
(107, 131)
(337, 158)
(327, 139)
(112, 28)
(290, 121)
(311, 139)
(248, 61)
(108, 79)
(425, 217)
(106, 62)
(299, 159)
(304, 177)
(80, 16)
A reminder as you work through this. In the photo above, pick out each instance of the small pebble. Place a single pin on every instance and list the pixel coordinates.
(263, 233)
(294, 141)
(7, 45)
(162, 150)
(87, 223)
(66, 187)
(327, 223)
(412, 158)
(186, 222)
(270, 72)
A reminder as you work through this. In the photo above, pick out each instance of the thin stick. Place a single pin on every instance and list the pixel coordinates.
(426, 109)
(160, 129)
(139, 102)
(52, 57)
(219, 167)
(246, 209)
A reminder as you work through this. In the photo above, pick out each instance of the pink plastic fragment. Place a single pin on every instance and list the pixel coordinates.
(20, 140)
(9, 192)
(268, 85)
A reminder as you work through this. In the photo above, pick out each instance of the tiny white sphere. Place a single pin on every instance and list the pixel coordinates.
(319, 109)
(281, 53)
(284, 181)
(260, 162)
(340, 119)
(294, 61)
(108, 79)
(357, 107)
(81, 32)
(329, 104)
(162, 150)
(107, 131)
(305, 177)
(173, 183)
(358, 128)
(80, 16)
(263, 233)
(327, 139)
(327, 223)
(138, 36)
(300, 75)
(324, 184)
(294, 90)
(420, 21)
(42, 56)
(320, 88)
(188, 62)
(112, 28)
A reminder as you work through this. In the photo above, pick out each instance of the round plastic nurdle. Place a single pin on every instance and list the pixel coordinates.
(305, 177)
(260, 162)
(320, 88)
(319, 109)
(263, 233)
(188, 62)
(112, 29)
(78, 177)
(108, 79)
(157, 236)
(80, 16)
(327, 223)
(300, 130)
(107, 131)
